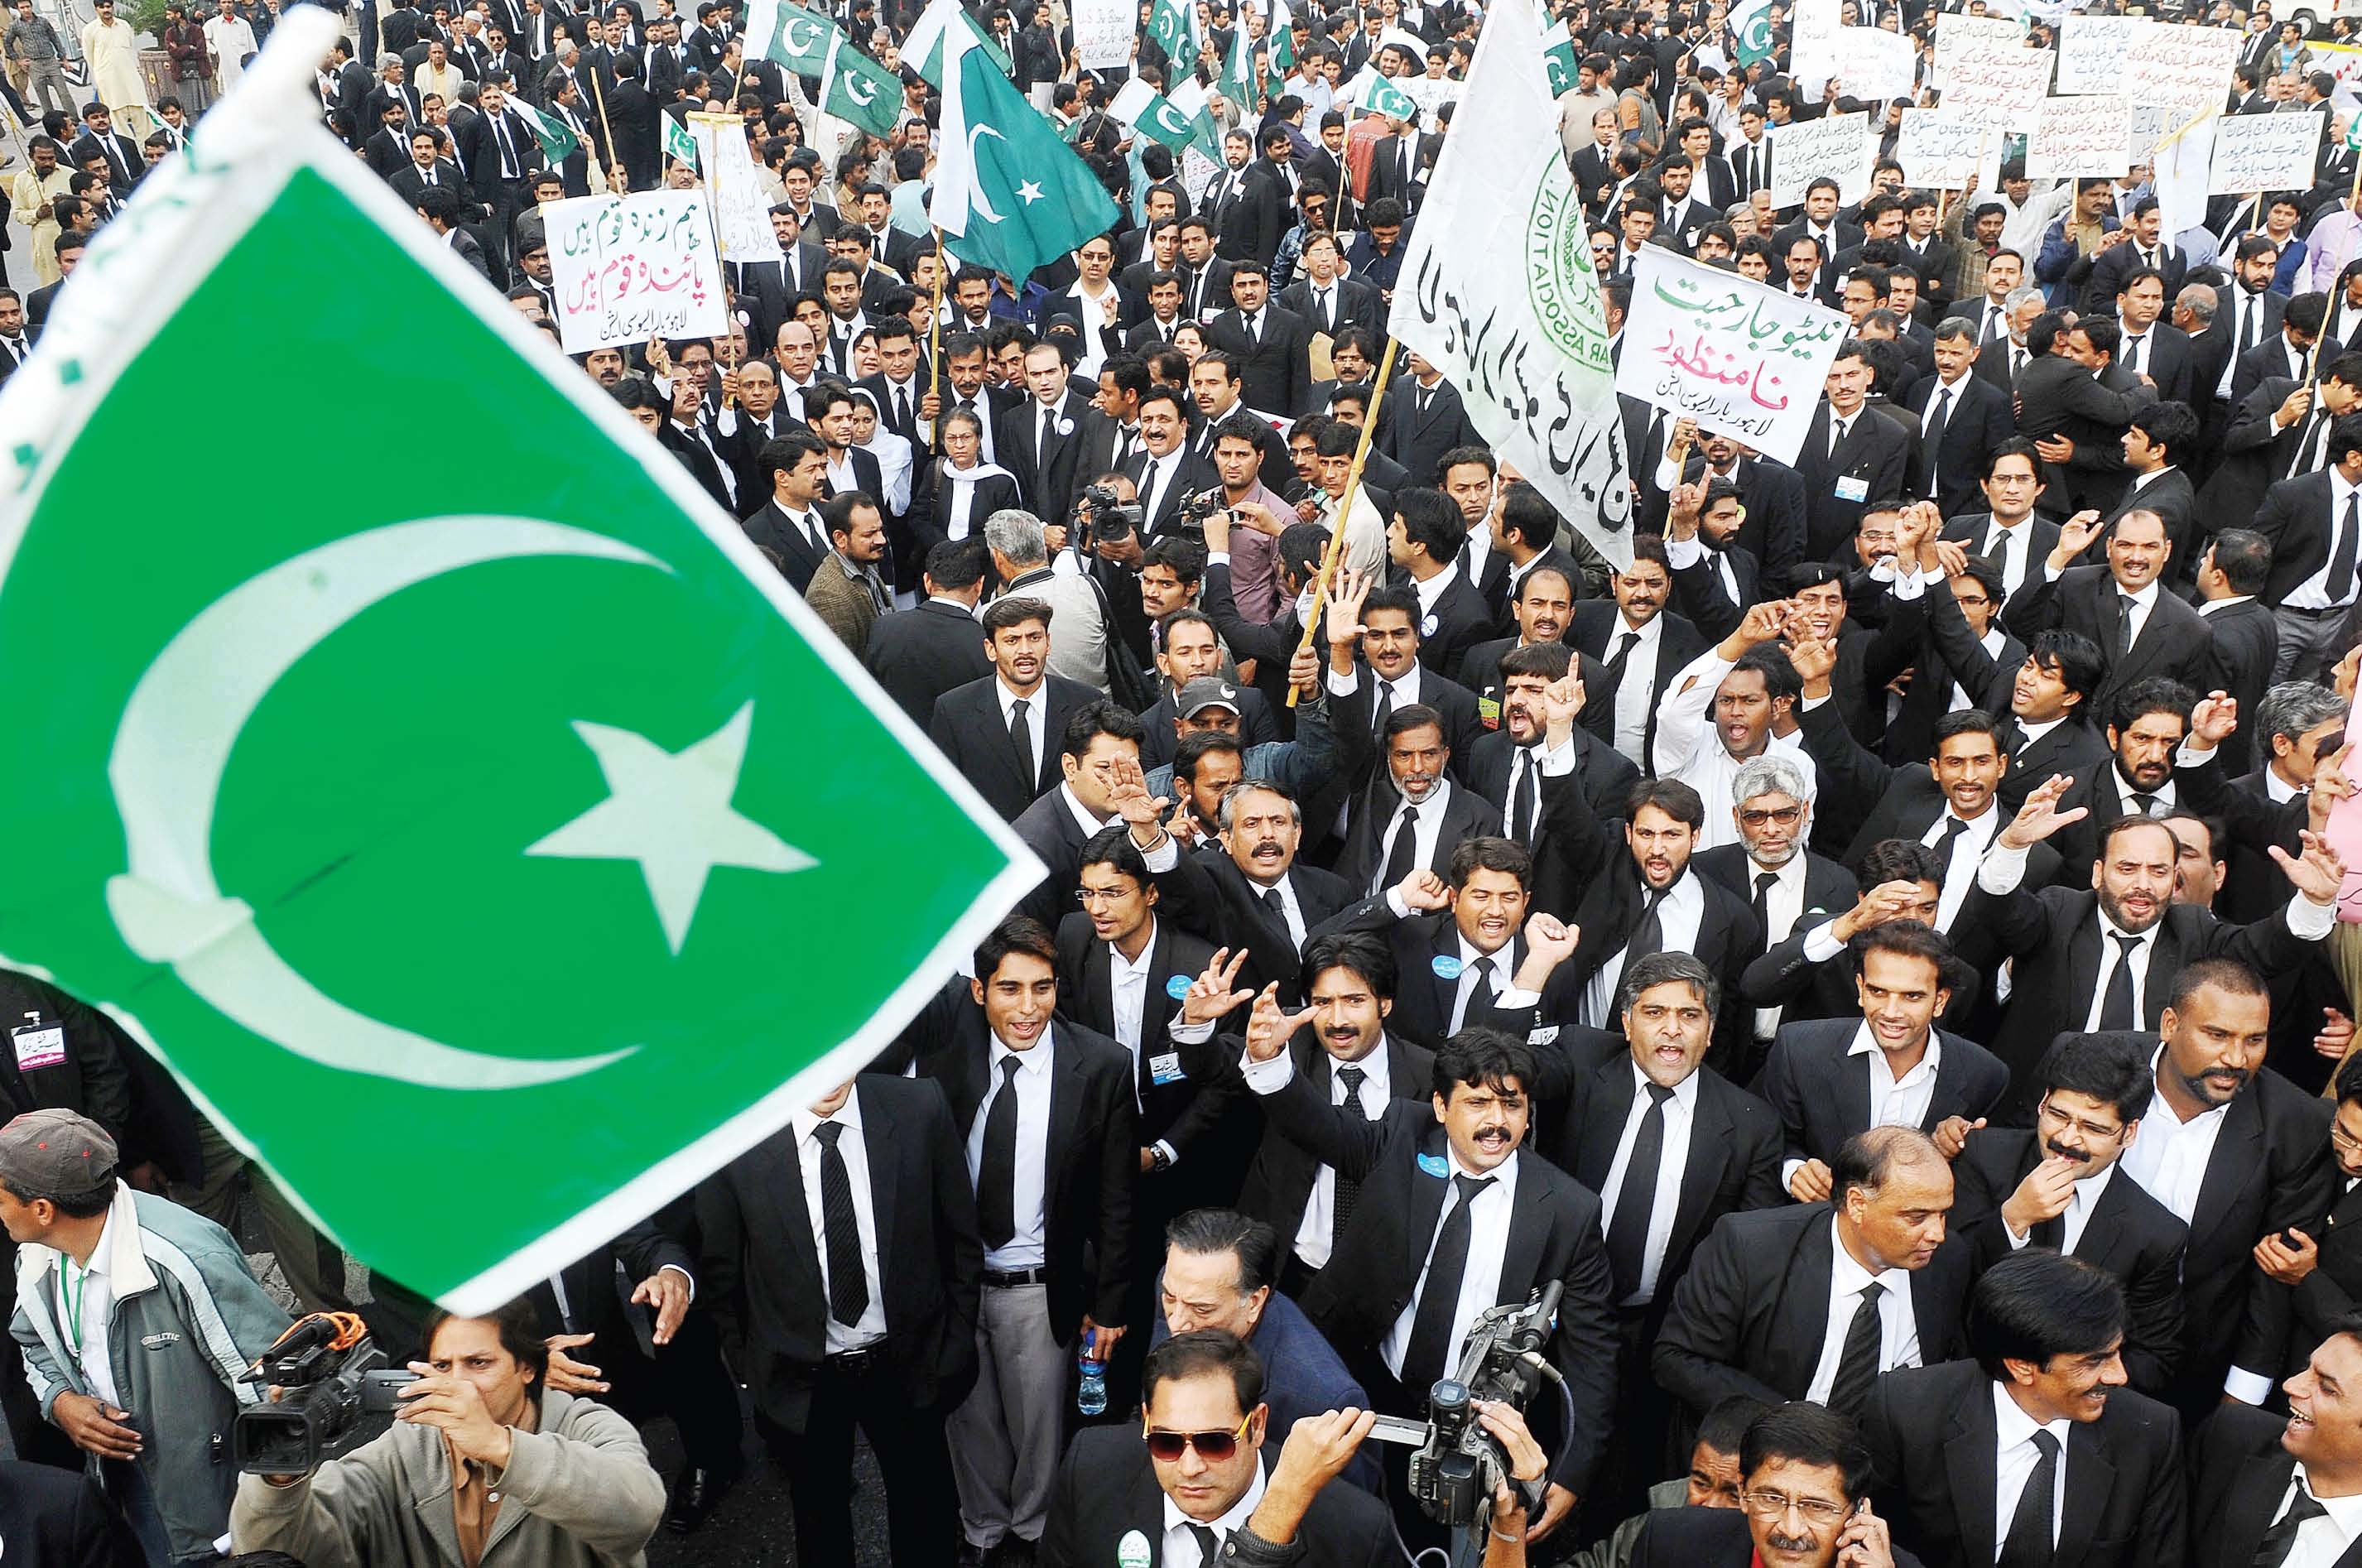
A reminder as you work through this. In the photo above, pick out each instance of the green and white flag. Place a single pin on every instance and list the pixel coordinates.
(557, 140)
(1375, 94)
(858, 90)
(783, 31)
(1009, 194)
(493, 854)
(1561, 62)
(1153, 115)
(925, 45)
(678, 144)
(1238, 79)
(1174, 25)
(1750, 32)
(1194, 105)
(1281, 58)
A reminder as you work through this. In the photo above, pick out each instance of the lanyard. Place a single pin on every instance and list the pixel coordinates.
(73, 1297)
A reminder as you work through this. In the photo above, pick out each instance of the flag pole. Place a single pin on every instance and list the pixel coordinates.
(712, 160)
(614, 161)
(1334, 555)
(934, 352)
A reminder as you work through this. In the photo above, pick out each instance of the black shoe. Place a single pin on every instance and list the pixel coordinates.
(971, 1555)
(695, 1495)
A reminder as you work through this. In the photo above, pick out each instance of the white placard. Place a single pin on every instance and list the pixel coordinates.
(1836, 147)
(1742, 360)
(2092, 53)
(2264, 152)
(1944, 148)
(742, 214)
(2184, 68)
(1103, 30)
(1874, 64)
(1989, 71)
(626, 268)
(1813, 48)
(2073, 138)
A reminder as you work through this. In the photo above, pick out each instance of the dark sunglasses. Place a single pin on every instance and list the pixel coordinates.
(1212, 1446)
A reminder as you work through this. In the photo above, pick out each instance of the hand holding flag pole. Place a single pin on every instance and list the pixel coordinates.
(935, 354)
(1334, 555)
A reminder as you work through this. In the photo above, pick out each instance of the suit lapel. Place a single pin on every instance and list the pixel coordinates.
(1608, 1107)
(2255, 1497)
(1971, 1464)
(1066, 1091)
(2093, 1481)
(1099, 986)
(2238, 1150)
(1710, 1146)
(1426, 1207)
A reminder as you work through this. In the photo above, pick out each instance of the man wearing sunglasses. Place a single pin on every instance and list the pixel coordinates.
(1806, 1504)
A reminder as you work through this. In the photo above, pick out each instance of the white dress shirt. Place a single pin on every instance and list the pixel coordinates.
(1678, 916)
(2016, 551)
(2111, 954)
(1783, 905)
(1898, 1337)
(1898, 1101)
(2169, 1158)
(1480, 1281)
(1424, 831)
(1968, 850)
(1025, 1246)
(1637, 694)
(2319, 1541)
(1036, 706)
(1680, 1116)
(2081, 1199)
(1316, 1231)
(1128, 994)
(2317, 593)
(1180, 1547)
(849, 1144)
(1689, 745)
(2014, 1457)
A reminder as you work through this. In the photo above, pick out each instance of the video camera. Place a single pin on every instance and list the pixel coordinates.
(1190, 521)
(1459, 1464)
(335, 1391)
(1104, 514)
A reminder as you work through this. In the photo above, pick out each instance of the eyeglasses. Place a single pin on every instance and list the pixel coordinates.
(1786, 816)
(1770, 1505)
(1212, 1446)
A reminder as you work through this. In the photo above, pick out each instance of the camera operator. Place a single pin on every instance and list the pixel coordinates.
(480, 1430)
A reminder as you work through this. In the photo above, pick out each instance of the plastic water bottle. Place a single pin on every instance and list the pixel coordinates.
(1091, 1395)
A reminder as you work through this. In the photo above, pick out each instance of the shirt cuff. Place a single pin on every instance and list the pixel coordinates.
(1163, 857)
(2003, 869)
(1513, 998)
(2193, 755)
(1172, 1156)
(1395, 904)
(2051, 573)
(1812, 703)
(2309, 921)
(1218, 558)
(1558, 760)
(1821, 943)
(1182, 1032)
(2249, 1388)
(1680, 553)
(2017, 1242)
(1908, 586)
(1788, 1169)
(685, 1275)
(1267, 1077)
(1344, 685)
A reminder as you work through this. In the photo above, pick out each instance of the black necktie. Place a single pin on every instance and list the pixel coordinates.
(1385, 708)
(2247, 313)
(1648, 932)
(2116, 1012)
(1276, 905)
(1992, 325)
(1021, 737)
(2123, 638)
(2341, 561)
(1764, 882)
(508, 156)
(1625, 643)
(1628, 1230)
(2148, 803)
(1524, 797)
(1349, 1188)
(2280, 1539)
(1480, 983)
(1209, 1544)
(848, 1282)
(1429, 1355)
(1953, 828)
(2028, 1543)
(996, 1169)
(1935, 439)
(902, 411)
(1858, 1361)
(1402, 858)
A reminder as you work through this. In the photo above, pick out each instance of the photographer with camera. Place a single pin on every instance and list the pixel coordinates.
(483, 1467)
(137, 1319)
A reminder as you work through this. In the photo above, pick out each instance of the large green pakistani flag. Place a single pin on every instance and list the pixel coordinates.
(1009, 194)
(493, 849)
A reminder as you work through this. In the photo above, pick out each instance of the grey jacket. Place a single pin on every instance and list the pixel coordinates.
(187, 1319)
(578, 1493)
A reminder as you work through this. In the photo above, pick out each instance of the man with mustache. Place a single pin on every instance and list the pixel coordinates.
(2057, 1186)
(2237, 1152)
(1804, 1503)
(1638, 643)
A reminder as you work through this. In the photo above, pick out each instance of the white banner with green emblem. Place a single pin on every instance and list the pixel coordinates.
(1496, 289)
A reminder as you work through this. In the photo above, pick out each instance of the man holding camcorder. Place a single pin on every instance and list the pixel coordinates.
(482, 1465)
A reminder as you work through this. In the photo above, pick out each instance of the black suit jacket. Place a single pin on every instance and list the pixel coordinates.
(2173, 641)
(1460, 620)
(1209, 894)
(757, 1248)
(1107, 1492)
(1874, 460)
(1555, 1234)
(1605, 776)
(2129, 1234)
(1044, 474)
(1091, 1158)
(1174, 1111)
(2296, 517)
(921, 653)
(2246, 640)
(2256, 454)
(2238, 1474)
(1822, 1091)
(1933, 1434)
(1274, 367)
(1829, 888)
(1351, 303)
(967, 726)
(1979, 420)
(1417, 439)
(783, 536)
(1750, 1315)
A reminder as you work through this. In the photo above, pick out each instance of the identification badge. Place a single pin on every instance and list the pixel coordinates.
(1488, 713)
(1428, 627)
(1178, 988)
(1446, 967)
(1545, 1036)
(1165, 1069)
(1852, 489)
(38, 1045)
(1435, 1164)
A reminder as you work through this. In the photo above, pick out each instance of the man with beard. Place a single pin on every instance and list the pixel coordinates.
(1507, 765)
(2110, 955)
(2225, 1125)
(1640, 647)
(2056, 1186)
(2147, 724)
(1972, 1455)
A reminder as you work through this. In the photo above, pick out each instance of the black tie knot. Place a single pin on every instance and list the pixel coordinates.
(829, 1133)
(1009, 1066)
(2045, 1444)
(1471, 1188)
(1659, 1094)
(1765, 881)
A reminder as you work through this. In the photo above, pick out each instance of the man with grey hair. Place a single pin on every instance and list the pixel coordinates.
(1080, 647)
(2297, 726)
(1787, 885)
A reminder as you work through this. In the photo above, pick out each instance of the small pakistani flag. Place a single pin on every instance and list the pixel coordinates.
(557, 140)
(1195, 106)
(678, 144)
(1375, 94)
(1238, 79)
(1750, 32)
(1560, 61)
(1174, 25)
(858, 90)
(1009, 194)
(1153, 115)
(925, 45)
(1282, 59)
(786, 33)
(484, 928)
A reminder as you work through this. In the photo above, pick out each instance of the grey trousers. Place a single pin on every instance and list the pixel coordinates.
(315, 1265)
(2308, 643)
(1007, 1435)
(48, 78)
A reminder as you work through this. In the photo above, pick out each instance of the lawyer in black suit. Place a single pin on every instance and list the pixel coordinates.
(1408, 1165)
(2043, 1330)
(1976, 419)
(759, 1251)
(1752, 1315)
(2243, 1461)
(1039, 440)
(1271, 345)
(920, 654)
(968, 725)
(1423, 421)
(2233, 570)
(2173, 641)
(1871, 460)
(1227, 894)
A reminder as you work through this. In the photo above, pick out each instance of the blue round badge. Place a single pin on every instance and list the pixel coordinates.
(1177, 987)
(1447, 968)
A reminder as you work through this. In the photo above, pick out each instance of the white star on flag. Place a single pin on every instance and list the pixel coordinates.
(672, 812)
(1029, 193)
